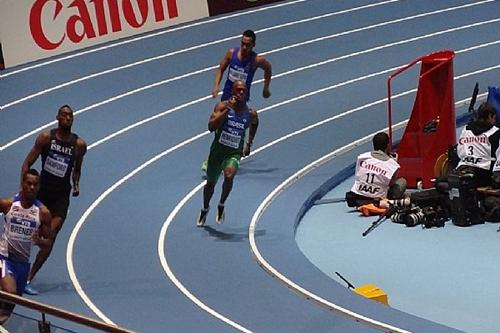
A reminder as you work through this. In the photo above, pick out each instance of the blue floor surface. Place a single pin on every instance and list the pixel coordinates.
(447, 275)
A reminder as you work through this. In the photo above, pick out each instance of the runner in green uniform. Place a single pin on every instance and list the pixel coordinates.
(229, 120)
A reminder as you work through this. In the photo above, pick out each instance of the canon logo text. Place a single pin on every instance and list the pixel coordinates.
(87, 19)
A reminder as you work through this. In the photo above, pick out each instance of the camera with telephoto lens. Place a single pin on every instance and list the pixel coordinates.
(400, 215)
(428, 217)
(414, 217)
(404, 202)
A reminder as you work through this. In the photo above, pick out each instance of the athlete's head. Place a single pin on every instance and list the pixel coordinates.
(381, 141)
(30, 184)
(239, 90)
(65, 117)
(247, 42)
(487, 113)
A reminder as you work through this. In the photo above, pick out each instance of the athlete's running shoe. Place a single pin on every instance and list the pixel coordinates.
(220, 214)
(204, 166)
(30, 290)
(202, 217)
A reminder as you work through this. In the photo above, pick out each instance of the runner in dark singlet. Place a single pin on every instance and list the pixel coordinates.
(62, 154)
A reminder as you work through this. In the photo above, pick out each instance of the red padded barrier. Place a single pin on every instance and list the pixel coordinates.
(431, 128)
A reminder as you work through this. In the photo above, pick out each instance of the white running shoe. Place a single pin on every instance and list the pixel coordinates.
(220, 214)
(202, 217)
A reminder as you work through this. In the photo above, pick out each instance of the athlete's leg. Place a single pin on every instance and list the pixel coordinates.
(230, 167)
(227, 186)
(208, 192)
(44, 252)
(8, 284)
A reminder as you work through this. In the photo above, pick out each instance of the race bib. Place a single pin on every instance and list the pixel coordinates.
(20, 230)
(237, 74)
(230, 140)
(54, 166)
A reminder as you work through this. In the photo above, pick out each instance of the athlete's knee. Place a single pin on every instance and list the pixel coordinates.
(9, 285)
(209, 185)
(229, 173)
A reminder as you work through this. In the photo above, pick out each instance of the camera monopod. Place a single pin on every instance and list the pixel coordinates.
(392, 209)
(328, 201)
(349, 284)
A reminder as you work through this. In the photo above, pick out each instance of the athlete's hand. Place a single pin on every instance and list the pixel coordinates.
(232, 101)
(266, 93)
(76, 190)
(39, 241)
(246, 150)
(35, 237)
(215, 92)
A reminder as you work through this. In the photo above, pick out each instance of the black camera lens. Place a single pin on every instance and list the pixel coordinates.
(398, 217)
(414, 218)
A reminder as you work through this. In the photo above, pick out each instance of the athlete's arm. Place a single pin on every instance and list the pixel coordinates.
(220, 71)
(218, 116)
(254, 124)
(41, 141)
(261, 62)
(42, 237)
(81, 149)
(5, 205)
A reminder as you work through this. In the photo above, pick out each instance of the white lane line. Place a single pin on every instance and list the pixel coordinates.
(81, 221)
(91, 107)
(162, 56)
(66, 84)
(155, 34)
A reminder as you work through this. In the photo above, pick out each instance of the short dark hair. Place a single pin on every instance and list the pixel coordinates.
(380, 141)
(63, 107)
(485, 110)
(32, 172)
(251, 34)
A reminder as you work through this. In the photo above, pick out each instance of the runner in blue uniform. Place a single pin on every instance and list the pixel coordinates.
(62, 156)
(26, 222)
(242, 62)
(229, 120)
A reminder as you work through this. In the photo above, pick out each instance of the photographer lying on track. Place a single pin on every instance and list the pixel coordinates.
(376, 175)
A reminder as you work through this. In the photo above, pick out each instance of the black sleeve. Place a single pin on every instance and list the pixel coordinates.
(494, 140)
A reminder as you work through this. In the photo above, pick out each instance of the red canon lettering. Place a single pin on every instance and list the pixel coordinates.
(128, 12)
(83, 18)
(114, 14)
(36, 26)
(158, 9)
(471, 139)
(80, 23)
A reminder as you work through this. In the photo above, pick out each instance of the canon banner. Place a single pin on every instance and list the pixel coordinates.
(217, 7)
(35, 29)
